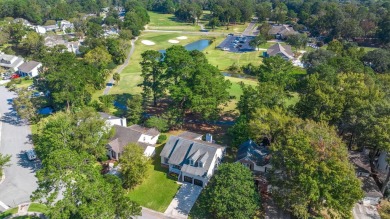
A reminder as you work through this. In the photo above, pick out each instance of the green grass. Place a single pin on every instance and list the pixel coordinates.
(157, 191)
(9, 212)
(224, 59)
(236, 91)
(169, 22)
(36, 207)
(24, 83)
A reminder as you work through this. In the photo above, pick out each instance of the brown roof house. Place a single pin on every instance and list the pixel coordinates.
(193, 160)
(280, 50)
(282, 31)
(144, 137)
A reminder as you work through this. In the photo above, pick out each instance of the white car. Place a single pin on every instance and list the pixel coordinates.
(31, 154)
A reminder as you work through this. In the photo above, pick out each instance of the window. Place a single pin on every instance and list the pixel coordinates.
(191, 162)
(200, 164)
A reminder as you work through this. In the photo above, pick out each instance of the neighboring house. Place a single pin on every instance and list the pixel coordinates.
(54, 40)
(10, 62)
(144, 137)
(64, 24)
(253, 156)
(113, 120)
(40, 29)
(193, 160)
(23, 21)
(280, 50)
(30, 69)
(372, 194)
(51, 27)
(282, 31)
(73, 46)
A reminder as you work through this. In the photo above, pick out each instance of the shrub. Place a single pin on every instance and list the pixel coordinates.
(157, 122)
(161, 139)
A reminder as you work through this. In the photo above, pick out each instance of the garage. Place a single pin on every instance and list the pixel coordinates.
(198, 182)
(187, 179)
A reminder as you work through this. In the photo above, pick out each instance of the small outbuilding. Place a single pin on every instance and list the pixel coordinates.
(253, 156)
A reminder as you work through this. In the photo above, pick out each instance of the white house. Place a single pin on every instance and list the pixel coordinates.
(113, 120)
(64, 24)
(10, 62)
(193, 160)
(40, 29)
(144, 137)
(30, 69)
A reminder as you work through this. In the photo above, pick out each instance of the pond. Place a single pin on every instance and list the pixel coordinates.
(197, 45)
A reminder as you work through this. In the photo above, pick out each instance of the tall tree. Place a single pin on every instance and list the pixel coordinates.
(278, 71)
(152, 73)
(134, 109)
(134, 165)
(230, 194)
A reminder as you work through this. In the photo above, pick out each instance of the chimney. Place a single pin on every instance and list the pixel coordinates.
(123, 122)
(209, 138)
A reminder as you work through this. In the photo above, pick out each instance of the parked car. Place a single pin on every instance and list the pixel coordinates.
(15, 76)
(31, 154)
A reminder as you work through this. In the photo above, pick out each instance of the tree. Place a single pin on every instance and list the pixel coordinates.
(297, 40)
(152, 73)
(379, 60)
(239, 132)
(258, 41)
(125, 34)
(134, 165)
(72, 187)
(278, 71)
(98, 57)
(159, 123)
(134, 109)
(32, 43)
(214, 22)
(24, 104)
(231, 193)
(116, 76)
(4, 160)
(326, 181)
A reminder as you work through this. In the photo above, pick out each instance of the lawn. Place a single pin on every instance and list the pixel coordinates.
(8, 213)
(36, 207)
(224, 59)
(168, 22)
(236, 91)
(157, 191)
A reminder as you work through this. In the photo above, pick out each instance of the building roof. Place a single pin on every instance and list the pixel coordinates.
(282, 29)
(249, 150)
(190, 135)
(180, 151)
(126, 135)
(360, 161)
(10, 61)
(147, 131)
(108, 116)
(29, 66)
(280, 49)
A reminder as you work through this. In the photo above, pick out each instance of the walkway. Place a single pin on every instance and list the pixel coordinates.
(249, 29)
(120, 69)
(20, 180)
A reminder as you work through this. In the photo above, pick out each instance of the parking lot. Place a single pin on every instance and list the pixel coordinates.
(236, 44)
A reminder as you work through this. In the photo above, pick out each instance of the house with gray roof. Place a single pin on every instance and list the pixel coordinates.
(30, 69)
(282, 31)
(280, 50)
(10, 62)
(144, 137)
(253, 156)
(191, 159)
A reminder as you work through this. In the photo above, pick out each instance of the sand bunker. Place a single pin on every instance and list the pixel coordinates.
(182, 38)
(148, 42)
(173, 41)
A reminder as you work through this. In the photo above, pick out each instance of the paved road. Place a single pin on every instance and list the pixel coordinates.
(151, 214)
(120, 69)
(249, 29)
(20, 179)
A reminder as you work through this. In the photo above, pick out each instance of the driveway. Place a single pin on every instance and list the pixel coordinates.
(184, 199)
(15, 136)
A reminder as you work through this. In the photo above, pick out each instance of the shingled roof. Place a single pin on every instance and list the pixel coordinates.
(180, 151)
(28, 66)
(251, 151)
(280, 49)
